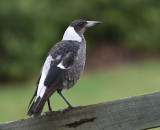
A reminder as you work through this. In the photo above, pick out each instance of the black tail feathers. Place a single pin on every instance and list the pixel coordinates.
(31, 111)
(38, 112)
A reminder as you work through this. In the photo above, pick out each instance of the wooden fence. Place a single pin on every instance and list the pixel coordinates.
(134, 113)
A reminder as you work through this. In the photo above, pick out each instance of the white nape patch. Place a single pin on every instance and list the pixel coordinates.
(70, 34)
(60, 65)
(58, 57)
(46, 67)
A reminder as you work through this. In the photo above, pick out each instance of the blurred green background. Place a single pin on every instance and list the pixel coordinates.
(122, 52)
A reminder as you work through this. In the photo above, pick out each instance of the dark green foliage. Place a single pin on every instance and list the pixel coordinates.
(28, 28)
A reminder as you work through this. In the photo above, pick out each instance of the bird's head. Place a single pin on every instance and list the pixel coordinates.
(77, 28)
(81, 25)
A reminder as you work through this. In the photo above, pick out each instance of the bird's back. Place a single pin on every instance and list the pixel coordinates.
(71, 76)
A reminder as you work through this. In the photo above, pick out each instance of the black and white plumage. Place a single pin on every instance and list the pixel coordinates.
(63, 66)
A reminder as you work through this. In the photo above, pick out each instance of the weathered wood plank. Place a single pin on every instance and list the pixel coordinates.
(134, 113)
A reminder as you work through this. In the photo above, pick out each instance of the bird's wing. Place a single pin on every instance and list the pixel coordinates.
(57, 69)
(62, 59)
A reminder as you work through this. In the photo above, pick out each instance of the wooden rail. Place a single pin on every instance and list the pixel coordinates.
(134, 113)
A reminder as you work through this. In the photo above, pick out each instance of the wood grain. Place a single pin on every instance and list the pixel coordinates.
(134, 113)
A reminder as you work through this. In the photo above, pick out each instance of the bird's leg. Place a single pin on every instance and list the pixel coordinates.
(49, 105)
(69, 105)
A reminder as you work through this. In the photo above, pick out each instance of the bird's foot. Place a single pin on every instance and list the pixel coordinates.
(48, 112)
(70, 107)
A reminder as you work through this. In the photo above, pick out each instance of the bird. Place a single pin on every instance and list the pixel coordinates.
(62, 68)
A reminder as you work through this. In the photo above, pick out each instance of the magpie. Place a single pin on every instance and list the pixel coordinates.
(63, 66)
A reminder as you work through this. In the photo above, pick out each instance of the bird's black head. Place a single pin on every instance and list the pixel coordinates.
(81, 25)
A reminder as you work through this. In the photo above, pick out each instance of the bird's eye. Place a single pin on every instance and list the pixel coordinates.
(81, 24)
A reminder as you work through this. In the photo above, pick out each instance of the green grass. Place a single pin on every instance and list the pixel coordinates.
(94, 87)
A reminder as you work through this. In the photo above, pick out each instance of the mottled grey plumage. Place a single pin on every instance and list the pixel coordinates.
(63, 66)
(78, 49)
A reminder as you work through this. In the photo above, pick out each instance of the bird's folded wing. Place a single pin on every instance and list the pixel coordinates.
(58, 68)
(63, 54)
(54, 77)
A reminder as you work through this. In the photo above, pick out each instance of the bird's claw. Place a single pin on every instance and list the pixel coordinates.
(48, 112)
(69, 107)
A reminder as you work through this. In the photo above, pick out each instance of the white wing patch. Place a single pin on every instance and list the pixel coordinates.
(46, 67)
(58, 57)
(60, 65)
(70, 34)
(41, 87)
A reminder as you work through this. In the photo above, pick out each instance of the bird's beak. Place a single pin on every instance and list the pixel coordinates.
(92, 23)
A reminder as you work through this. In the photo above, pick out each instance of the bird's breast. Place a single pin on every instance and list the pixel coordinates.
(75, 71)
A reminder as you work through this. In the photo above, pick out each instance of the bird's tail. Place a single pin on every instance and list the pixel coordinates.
(37, 106)
(32, 111)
